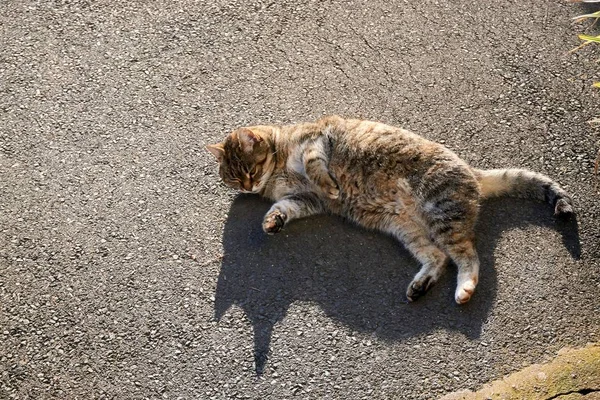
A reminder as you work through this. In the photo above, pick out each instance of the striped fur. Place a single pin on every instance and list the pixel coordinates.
(524, 184)
(383, 178)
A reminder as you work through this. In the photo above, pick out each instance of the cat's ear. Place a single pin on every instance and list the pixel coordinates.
(217, 150)
(248, 139)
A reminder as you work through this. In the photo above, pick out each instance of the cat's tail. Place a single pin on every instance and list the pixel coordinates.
(524, 184)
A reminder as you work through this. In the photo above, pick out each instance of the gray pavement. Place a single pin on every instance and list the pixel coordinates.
(127, 271)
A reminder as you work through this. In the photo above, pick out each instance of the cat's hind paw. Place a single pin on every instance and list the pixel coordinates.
(274, 222)
(418, 287)
(464, 291)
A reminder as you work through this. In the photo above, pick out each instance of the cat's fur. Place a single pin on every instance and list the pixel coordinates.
(383, 178)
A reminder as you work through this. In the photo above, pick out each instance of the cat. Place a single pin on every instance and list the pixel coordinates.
(383, 178)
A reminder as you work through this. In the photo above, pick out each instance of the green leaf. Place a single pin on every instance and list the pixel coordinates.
(594, 121)
(596, 84)
(592, 15)
(589, 38)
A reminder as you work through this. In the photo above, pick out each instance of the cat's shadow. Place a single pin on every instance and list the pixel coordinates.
(356, 276)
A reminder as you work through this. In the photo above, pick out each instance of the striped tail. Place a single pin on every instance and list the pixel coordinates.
(524, 184)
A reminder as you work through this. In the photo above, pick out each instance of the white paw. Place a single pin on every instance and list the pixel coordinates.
(464, 291)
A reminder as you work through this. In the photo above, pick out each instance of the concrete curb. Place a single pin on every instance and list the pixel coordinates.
(573, 374)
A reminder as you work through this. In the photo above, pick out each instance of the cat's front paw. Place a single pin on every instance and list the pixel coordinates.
(330, 187)
(274, 222)
(333, 192)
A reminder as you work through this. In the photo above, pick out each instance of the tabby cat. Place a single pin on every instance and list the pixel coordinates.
(383, 178)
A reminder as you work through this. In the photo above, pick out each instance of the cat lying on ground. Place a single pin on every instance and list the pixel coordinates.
(383, 178)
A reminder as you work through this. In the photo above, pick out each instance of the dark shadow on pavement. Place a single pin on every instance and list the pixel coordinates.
(357, 277)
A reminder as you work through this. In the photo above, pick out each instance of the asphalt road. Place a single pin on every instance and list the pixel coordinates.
(127, 271)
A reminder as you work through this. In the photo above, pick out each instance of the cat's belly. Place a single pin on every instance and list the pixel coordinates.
(373, 199)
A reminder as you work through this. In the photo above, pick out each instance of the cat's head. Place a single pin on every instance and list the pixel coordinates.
(245, 160)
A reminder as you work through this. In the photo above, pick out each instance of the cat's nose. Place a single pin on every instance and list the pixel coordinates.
(247, 185)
